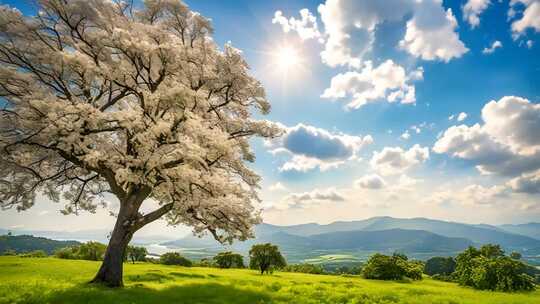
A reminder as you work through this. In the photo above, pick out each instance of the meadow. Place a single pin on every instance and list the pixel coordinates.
(51, 280)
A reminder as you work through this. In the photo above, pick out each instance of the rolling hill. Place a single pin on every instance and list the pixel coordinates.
(417, 237)
(26, 243)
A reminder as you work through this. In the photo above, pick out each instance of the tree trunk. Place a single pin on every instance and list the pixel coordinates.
(111, 270)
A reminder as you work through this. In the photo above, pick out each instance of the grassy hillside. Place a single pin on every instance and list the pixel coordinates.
(63, 281)
(25, 243)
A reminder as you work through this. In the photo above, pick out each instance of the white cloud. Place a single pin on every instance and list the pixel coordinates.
(530, 17)
(529, 44)
(526, 183)
(350, 27)
(451, 117)
(507, 142)
(469, 195)
(277, 187)
(433, 37)
(496, 44)
(462, 116)
(406, 135)
(387, 81)
(372, 181)
(395, 160)
(313, 147)
(472, 10)
(306, 199)
(306, 26)
(416, 129)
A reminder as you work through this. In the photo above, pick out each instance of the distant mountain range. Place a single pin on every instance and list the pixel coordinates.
(419, 237)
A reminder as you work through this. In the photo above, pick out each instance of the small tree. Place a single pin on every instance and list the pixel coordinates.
(229, 260)
(67, 253)
(174, 258)
(132, 100)
(265, 257)
(136, 253)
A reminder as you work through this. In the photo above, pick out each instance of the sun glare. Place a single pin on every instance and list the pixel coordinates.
(287, 58)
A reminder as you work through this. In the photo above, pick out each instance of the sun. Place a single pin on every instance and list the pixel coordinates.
(287, 58)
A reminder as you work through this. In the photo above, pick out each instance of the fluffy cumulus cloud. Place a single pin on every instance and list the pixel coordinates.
(495, 45)
(529, 16)
(388, 81)
(350, 27)
(306, 27)
(395, 160)
(371, 181)
(506, 143)
(312, 147)
(431, 34)
(306, 199)
(472, 10)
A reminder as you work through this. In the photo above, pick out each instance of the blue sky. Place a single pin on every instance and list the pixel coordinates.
(400, 158)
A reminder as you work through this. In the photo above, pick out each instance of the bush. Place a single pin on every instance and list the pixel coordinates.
(440, 266)
(354, 270)
(489, 269)
(67, 253)
(396, 267)
(206, 262)
(9, 252)
(174, 258)
(229, 260)
(34, 254)
(304, 268)
(92, 251)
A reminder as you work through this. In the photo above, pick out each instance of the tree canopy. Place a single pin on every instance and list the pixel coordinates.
(103, 97)
(229, 259)
(265, 257)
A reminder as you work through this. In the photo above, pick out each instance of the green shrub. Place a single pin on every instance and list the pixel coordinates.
(304, 268)
(174, 258)
(93, 251)
(67, 253)
(489, 269)
(9, 252)
(34, 254)
(395, 267)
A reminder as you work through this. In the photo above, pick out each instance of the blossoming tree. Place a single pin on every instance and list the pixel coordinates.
(99, 96)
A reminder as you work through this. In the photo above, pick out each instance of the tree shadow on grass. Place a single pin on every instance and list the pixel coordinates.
(194, 293)
(187, 275)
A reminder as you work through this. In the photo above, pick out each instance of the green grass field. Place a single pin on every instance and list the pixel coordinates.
(49, 280)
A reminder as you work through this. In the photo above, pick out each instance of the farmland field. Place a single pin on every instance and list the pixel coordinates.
(50, 280)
